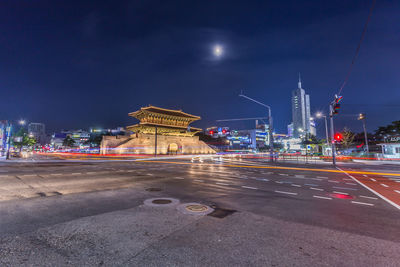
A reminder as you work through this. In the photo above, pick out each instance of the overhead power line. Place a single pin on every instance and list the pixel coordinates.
(358, 47)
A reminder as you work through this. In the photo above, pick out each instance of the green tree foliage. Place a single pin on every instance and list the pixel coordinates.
(391, 129)
(21, 139)
(68, 141)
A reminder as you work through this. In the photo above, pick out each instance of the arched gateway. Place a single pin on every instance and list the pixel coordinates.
(167, 128)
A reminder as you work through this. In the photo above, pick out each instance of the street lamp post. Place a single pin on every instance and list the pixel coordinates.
(331, 110)
(320, 115)
(271, 128)
(361, 117)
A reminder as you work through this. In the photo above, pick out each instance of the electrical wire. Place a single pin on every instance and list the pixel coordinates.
(358, 47)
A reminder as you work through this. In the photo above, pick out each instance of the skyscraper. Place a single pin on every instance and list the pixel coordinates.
(300, 111)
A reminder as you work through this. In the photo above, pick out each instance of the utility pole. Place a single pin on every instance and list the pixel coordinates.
(271, 128)
(8, 140)
(361, 117)
(333, 147)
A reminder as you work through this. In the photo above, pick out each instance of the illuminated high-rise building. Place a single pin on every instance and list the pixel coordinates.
(300, 111)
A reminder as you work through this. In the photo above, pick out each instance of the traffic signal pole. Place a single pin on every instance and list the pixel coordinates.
(332, 134)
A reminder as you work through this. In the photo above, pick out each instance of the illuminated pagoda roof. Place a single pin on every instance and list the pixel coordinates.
(167, 121)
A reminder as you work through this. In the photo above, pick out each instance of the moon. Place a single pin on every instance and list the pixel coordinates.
(218, 50)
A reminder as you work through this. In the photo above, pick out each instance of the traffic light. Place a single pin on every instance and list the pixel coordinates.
(338, 137)
(336, 105)
(223, 131)
(211, 132)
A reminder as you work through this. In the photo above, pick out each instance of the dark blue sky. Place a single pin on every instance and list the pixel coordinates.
(78, 64)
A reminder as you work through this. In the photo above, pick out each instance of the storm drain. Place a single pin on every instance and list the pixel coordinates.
(161, 202)
(221, 213)
(194, 209)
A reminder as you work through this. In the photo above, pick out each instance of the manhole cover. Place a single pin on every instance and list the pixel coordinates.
(161, 201)
(342, 196)
(196, 208)
(153, 189)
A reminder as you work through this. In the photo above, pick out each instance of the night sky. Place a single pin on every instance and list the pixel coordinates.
(81, 64)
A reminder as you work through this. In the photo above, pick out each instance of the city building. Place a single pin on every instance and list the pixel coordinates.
(253, 139)
(300, 111)
(38, 131)
(160, 131)
(80, 138)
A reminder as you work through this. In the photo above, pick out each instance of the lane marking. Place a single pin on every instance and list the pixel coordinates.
(262, 179)
(299, 176)
(373, 191)
(264, 167)
(328, 198)
(384, 185)
(278, 182)
(28, 175)
(284, 192)
(56, 174)
(343, 193)
(221, 184)
(397, 191)
(331, 181)
(297, 185)
(365, 175)
(283, 174)
(201, 181)
(322, 177)
(75, 173)
(249, 187)
(372, 179)
(319, 189)
(338, 187)
(179, 178)
(311, 184)
(90, 172)
(362, 203)
(369, 197)
(351, 183)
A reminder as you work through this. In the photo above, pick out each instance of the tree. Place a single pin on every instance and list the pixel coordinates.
(68, 141)
(21, 139)
(348, 138)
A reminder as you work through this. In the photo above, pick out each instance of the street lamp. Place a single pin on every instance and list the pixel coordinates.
(270, 121)
(361, 117)
(320, 115)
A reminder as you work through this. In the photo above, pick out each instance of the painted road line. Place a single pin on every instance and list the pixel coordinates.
(4, 176)
(311, 184)
(328, 198)
(331, 181)
(299, 176)
(338, 187)
(319, 189)
(28, 175)
(373, 191)
(249, 187)
(362, 203)
(322, 177)
(351, 183)
(76, 173)
(283, 174)
(56, 174)
(343, 193)
(262, 179)
(179, 178)
(369, 197)
(397, 191)
(196, 180)
(90, 172)
(221, 184)
(365, 175)
(296, 185)
(284, 192)
(384, 185)
(130, 171)
(372, 179)
(278, 182)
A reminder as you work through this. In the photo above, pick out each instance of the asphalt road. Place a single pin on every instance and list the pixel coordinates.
(281, 214)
